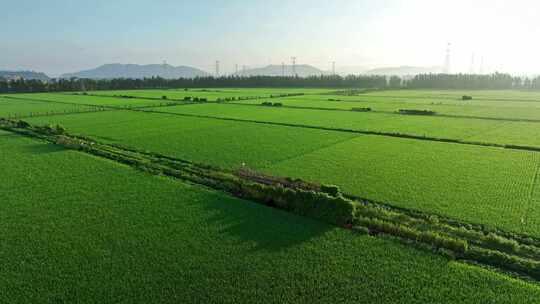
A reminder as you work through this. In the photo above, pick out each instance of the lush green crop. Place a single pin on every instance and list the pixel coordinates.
(223, 143)
(89, 100)
(507, 95)
(475, 184)
(460, 181)
(211, 94)
(83, 229)
(18, 108)
(432, 126)
(474, 108)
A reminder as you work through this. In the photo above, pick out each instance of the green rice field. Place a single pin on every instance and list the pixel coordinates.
(71, 223)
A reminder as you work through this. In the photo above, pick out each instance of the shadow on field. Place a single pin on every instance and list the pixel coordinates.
(8, 135)
(266, 228)
(43, 148)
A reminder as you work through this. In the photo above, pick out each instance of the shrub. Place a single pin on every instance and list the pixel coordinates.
(266, 103)
(360, 229)
(496, 242)
(187, 98)
(361, 109)
(458, 246)
(466, 97)
(163, 97)
(333, 190)
(59, 129)
(317, 205)
(67, 142)
(416, 112)
(277, 104)
(22, 124)
(506, 261)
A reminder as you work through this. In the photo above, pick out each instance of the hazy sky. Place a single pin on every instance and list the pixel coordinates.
(58, 36)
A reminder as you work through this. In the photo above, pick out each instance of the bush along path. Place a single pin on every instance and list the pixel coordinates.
(512, 253)
(192, 99)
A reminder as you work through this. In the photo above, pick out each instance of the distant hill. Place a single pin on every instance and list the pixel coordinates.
(24, 74)
(404, 70)
(302, 70)
(135, 71)
(352, 70)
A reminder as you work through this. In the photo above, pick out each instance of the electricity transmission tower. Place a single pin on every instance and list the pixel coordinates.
(236, 68)
(471, 68)
(333, 68)
(447, 59)
(217, 68)
(283, 69)
(481, 65)
(294, 66)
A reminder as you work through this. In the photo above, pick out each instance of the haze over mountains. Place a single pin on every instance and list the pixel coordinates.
(135, 71)
(11, 75)
(116, 70)
(302, 70)
(405, 70)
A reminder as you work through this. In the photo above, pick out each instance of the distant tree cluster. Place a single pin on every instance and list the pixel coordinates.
(494, 81)
(423, 81)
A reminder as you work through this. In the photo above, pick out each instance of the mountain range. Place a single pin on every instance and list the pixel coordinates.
(302, 70)
(405, 70)
(135, 71)
(12, 75)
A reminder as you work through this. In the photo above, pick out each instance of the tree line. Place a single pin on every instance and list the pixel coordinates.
(423, 81)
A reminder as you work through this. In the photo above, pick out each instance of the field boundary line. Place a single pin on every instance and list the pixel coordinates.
(357, 131)
(278, 161)
(448, 97)
(387, 112)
